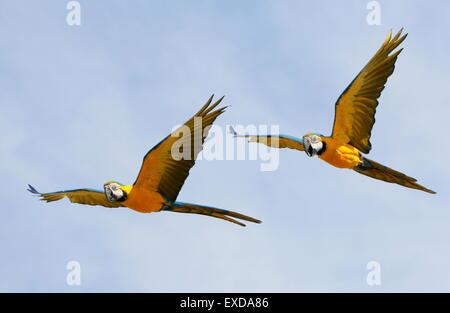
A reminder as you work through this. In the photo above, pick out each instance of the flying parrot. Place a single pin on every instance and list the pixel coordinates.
(353, 122)
(161, 176)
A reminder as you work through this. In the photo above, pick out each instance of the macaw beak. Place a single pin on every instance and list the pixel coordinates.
(108, 193)
(115, 195)
(312, 148)
(309, 151)
(308, 147)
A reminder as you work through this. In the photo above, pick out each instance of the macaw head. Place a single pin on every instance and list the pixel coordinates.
(114, 192)
(313, 144)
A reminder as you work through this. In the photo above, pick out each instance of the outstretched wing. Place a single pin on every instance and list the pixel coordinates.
(165, 172)
(276, 141)
(82, 196)
(355, 108)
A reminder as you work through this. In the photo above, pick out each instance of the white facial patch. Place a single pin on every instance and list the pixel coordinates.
(317, 146)
(113, 192)
(312, 144)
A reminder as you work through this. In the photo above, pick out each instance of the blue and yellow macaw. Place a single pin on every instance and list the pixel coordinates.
(161, 176)
(354, 119)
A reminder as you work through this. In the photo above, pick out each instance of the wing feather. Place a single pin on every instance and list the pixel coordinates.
(276, 141)
(163, 173)
(81, 196)
(355, 109)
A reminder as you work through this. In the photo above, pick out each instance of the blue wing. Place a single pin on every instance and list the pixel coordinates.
(276, 141)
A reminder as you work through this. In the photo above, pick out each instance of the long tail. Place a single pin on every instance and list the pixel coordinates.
(375, 170)
(181, 207)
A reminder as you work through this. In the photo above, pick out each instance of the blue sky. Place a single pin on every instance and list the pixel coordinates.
(81, 105)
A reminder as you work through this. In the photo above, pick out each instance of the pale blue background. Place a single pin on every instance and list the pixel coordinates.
(82, 105)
